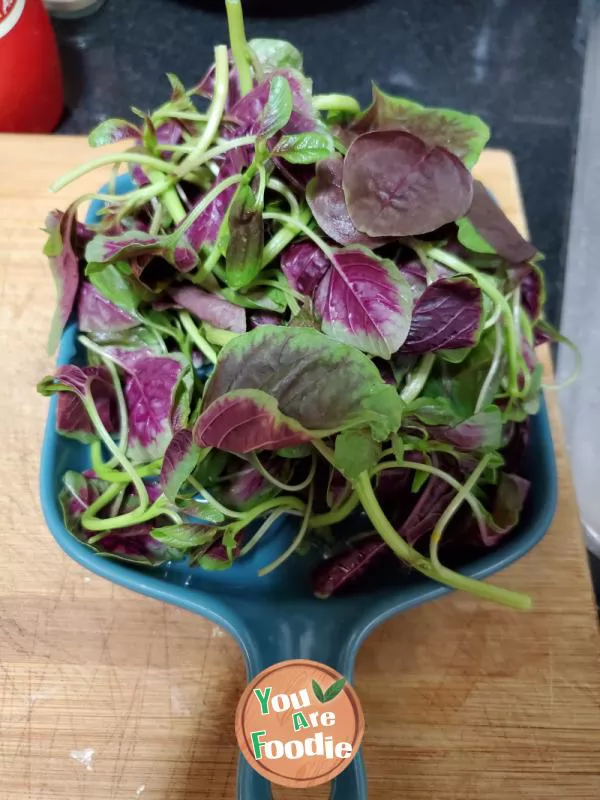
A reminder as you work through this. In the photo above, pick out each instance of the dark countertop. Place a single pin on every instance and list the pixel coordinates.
(518, 65)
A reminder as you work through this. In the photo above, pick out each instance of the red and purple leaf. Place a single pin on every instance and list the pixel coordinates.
(97, 314)
(180, 459)
(245, 421)
(325, 196)
(149, 389)
(76, 387)
(465, 135)
(304, 265)
(112, 130)
(492, 226)
(210, 308)
(397, 185)
(64, 251)
(482, 431)
(447, 315)
(344, 569)
(364, 301)
(294, 367)
(177, 251)
(509, 499)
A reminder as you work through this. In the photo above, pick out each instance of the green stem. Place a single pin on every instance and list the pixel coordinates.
(237, 37)
(297, 540)
(215, 112)
(452, 508)
(410, 556)
(256, 537)
(336, 102)
(205, 202)
(336, 515)
(170, 198)
(491, 373)
(418, 379)
(289, 504)
(285, 487)
(102, 161)
(283, 237)
(229, 512)
(438, 473)
(134, 517)
(200, 342)
(278, 186)
(200, 158)
(301, 226)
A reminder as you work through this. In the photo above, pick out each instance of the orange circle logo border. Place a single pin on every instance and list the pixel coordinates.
(321, 719)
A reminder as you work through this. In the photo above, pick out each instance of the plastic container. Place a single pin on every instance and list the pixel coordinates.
(31, 92)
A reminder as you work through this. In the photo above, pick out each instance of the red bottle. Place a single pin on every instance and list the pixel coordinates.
(31, 94)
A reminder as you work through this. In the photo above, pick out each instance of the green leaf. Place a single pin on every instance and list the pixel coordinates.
(356, 452)
(334, 690)
(304, 148)
(278, 110)
(268, 298)
(470, 238)
(320, 384)
(464, 135)
(177, 88)
(180, 460)
(398, 447)
(318, 692)
(115, 286)
(276, 53)
(245, 238)
(112, 130)
(185, 536)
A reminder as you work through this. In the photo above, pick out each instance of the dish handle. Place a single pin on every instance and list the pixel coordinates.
(332, 640)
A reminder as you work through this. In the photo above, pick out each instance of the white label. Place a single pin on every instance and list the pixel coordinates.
(10, 13)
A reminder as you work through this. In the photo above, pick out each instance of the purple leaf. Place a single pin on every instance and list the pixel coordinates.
(432, 502)
(180, 459)
(149, 388)
(211, 308)
(111, 131)
(248, 110)
(396, 185)
(206, 86)
(482, 431)
(364, 301)
(206, 227)
(76, 385)
(338, 488)
(446, 316)
(530, 279)
(258, 318)
(507, 506)
(64, 251)
(462, 134)
(289, 370)
(105, 249)
(344, 569)
(325, 196)
(494, 227)
(97, 314)
(304, 265)
(416, 275)
(247, 420)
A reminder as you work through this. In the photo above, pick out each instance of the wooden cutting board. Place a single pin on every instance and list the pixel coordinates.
(463, 701)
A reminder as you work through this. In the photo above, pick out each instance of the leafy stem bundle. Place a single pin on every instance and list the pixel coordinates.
(296, 308)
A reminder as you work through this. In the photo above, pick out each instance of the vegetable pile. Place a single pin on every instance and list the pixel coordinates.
(290, 306)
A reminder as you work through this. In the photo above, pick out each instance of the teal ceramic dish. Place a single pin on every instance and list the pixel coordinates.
(276, 617)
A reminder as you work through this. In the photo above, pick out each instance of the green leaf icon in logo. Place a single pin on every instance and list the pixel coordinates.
(329, 694)
(318, 692)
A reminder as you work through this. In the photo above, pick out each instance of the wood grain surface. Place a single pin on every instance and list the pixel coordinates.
(106, 695)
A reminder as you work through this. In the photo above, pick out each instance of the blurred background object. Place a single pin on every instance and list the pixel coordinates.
(72, 8)
(31, 95)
